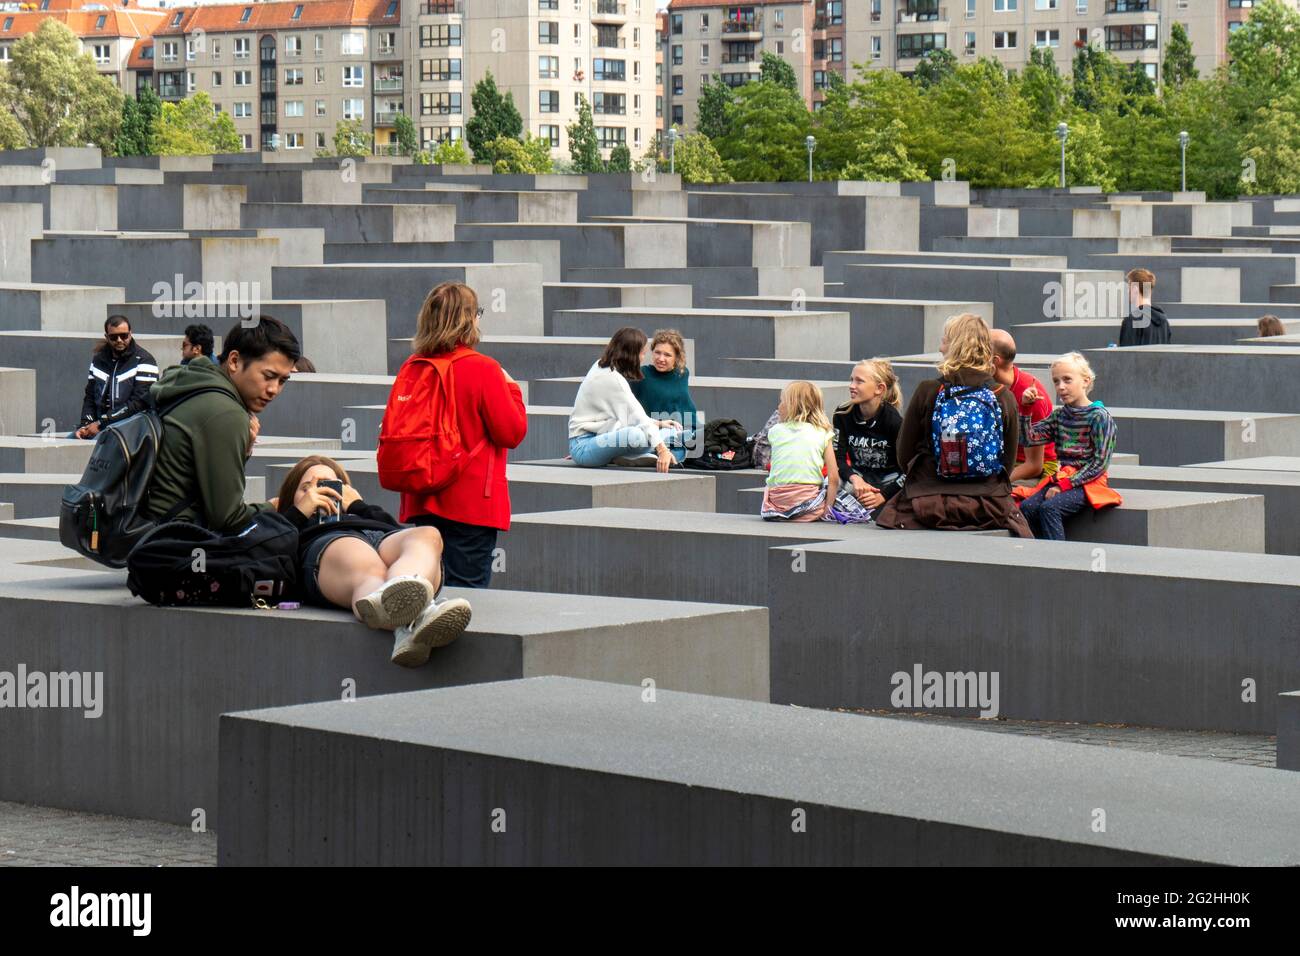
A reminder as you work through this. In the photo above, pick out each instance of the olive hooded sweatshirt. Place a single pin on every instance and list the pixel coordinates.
(204, 447)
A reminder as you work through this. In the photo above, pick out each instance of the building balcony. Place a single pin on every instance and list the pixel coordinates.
(387, 117)
(171, 91)
(741, 58)
(387, 149)
(749, 28)
(619, 43)
(922, 14)
(608, 11)
(436, 8)
(1130, 6)
(823, 22)
(392, 84)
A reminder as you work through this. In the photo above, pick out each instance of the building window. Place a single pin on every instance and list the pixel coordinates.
(1004, 39)
(216, 77)
(1046, 4)
(704, 53)
(320, 140)
(609, 69)
(439, 70)
(320, 107)
(611, 136)
(610, 104)
(1050, 38)
(354, 76)
(293, 46)
(677, 54)
(293, 77)
(970, 9)
(169, 52)
(433, 135)
(678, 113)
(297, 12)
(970, 43)
(440, 104)
(918, 44)
(447, 34)
(352, 44)
(548, 67)
(293, 108)
(1133, 36)
(836, 45)
(102, 53)
(550, 133)
(548, 101)
(676, 20)
(191, 82)
(293, 141)
(246, 139)
(1004, 6)
(248, 12)
(354, 109)
(320, 75)
(319, 44)
(678, 89)
(548, 32)
(243, 110)
(241, 48)
(875, 48)
(243, 78)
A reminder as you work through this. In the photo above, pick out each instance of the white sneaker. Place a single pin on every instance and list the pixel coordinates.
(436, 626)
(396, 603)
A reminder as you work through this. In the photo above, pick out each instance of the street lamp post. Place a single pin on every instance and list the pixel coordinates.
(1062, 133)
(1183, 140)
(811, 143)
(672, 150)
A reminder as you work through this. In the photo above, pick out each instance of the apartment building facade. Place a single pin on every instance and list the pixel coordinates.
(107, 33)
(548, 54)
(838, 36)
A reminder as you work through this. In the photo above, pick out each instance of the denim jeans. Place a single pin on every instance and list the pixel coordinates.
(596, 451)
(1046, 516)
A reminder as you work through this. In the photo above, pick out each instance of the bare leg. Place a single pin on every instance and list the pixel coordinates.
(414, 551)
(349, 570)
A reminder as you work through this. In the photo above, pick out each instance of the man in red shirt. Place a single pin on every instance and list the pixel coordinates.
(1035, 462)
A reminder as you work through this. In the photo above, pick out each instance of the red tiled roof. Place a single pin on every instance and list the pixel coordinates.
(117, 22)
(225, 17)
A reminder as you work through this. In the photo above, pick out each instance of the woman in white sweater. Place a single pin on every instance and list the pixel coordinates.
(607, 421)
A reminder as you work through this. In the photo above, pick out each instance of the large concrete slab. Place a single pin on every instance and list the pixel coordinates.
(1157, 637)
(169, 673)
(512, 774)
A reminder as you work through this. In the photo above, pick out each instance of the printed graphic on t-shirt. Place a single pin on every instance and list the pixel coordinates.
(870, 454)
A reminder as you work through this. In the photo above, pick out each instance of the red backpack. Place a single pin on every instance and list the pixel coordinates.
(420, 448)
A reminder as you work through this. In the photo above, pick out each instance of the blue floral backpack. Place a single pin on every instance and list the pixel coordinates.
(966, 431)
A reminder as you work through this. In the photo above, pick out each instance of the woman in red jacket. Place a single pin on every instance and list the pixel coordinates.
(489, 405)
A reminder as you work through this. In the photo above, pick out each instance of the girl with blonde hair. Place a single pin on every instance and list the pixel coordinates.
(957, 443)
(1084, 433)
(866, 442)
(803, 479)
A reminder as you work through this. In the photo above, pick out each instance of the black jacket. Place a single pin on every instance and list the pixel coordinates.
(359, 517)
(117, 386)
(869, 449)
(1138, 331)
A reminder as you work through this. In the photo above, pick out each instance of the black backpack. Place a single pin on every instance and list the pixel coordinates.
(101, 516)
(183, 564)
(726, 447)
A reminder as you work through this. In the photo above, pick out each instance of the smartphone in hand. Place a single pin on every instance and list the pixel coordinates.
(337, 485)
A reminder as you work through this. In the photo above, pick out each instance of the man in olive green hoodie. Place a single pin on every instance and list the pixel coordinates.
(208, 438)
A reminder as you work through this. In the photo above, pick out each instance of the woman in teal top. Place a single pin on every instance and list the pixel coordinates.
(664, 391)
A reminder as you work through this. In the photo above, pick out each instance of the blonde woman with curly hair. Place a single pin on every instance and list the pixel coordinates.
(957, 444)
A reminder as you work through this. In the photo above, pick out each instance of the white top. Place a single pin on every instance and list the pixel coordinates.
(604, 403)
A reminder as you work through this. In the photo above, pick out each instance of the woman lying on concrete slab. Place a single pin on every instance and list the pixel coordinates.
(355, 555)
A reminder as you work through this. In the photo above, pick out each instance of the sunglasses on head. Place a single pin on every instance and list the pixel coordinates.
(479, 312)
(117, 336)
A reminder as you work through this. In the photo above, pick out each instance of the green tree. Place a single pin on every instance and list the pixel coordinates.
(1264, 54)
(697, 160)
(773, 69)
(765, 141)
(140, 117)
(530, 156)
(1096, 78)
(1087, 154)
(1180, 62)
(351, 139)
(935, 67)
(1044, 89)
(193, 128)
(1271, 145)
(584, 148)
(55, 94)
(494, 116)
(979, 120)
(1136, 85)
(404, 128)
(882, 157)
(714, 104)
(620, 159)
(451, 152)
(11, 134)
